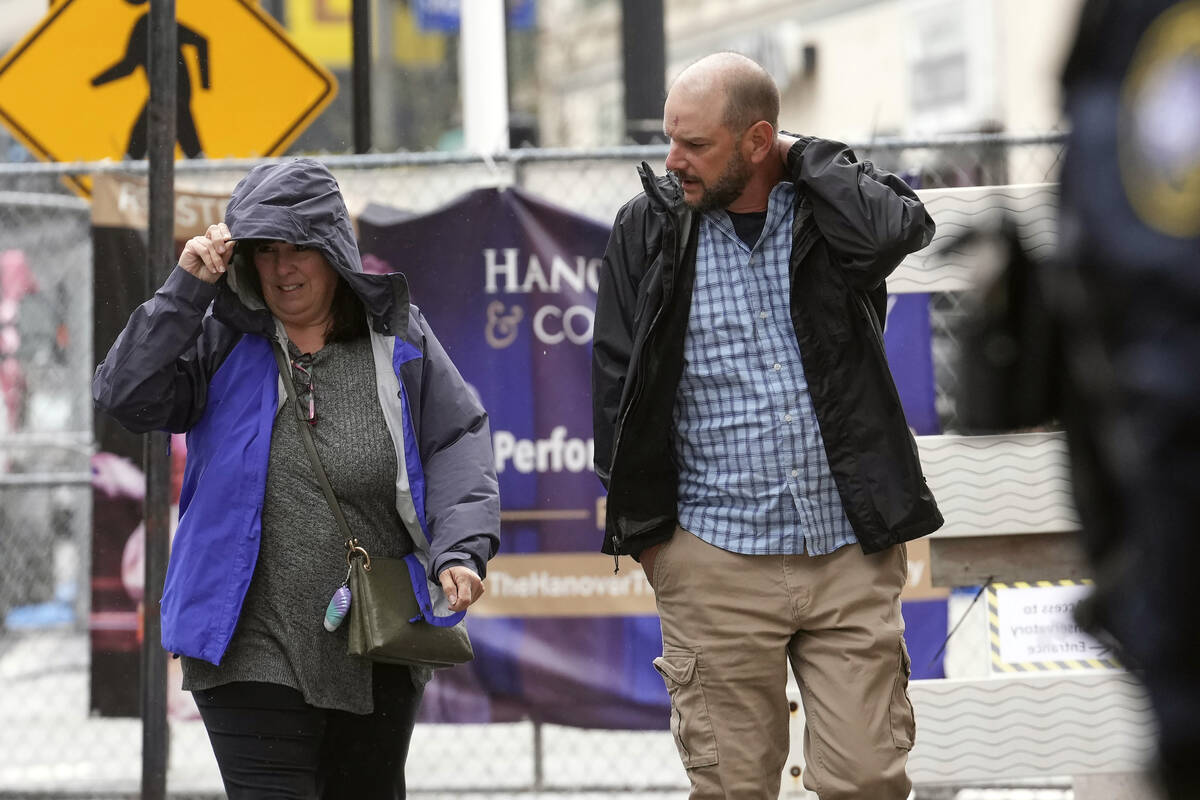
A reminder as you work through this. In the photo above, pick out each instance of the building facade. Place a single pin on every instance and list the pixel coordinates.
(848, 69)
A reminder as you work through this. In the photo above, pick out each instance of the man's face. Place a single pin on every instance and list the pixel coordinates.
(705, 156)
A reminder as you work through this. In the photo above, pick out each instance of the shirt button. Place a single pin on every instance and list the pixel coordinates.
(787, 417)
(762, 315)
(778, 367)
(795, 473)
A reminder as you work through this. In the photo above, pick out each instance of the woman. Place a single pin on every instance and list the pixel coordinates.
(257, 554)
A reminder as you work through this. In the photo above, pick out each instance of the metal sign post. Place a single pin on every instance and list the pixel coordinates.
(160, 252)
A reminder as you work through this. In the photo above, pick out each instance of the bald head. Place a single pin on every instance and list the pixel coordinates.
(740, 86)
(720, 116)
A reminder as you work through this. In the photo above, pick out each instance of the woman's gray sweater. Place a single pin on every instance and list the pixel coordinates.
(280, 636)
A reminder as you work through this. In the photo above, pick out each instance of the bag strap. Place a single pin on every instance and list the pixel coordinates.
(285, 373)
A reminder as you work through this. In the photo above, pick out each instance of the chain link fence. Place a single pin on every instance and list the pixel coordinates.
(53, 745)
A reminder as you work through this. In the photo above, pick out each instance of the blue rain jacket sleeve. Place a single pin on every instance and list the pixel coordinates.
(462, 503)
(156, 374)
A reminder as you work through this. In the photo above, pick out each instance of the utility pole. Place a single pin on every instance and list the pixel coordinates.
(644, 57)
(360, 21)
(483, 70)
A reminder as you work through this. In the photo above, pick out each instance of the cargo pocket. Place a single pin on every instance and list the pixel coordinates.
(904, 723)
(690, 723)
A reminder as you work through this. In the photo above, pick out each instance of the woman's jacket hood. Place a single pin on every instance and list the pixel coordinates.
(299, 202)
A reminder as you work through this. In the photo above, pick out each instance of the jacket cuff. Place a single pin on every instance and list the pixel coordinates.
(455, 559)
(796, 152)
(643, 543)
(188, 289)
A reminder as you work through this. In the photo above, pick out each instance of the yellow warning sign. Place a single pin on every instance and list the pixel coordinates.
(1032, 628)
(76, 87)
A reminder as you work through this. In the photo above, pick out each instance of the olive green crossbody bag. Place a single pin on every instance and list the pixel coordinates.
(386, 623)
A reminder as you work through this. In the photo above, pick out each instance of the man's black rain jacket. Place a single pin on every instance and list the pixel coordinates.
(852, 226)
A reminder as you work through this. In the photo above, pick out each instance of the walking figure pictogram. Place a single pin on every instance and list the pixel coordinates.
(136, 56)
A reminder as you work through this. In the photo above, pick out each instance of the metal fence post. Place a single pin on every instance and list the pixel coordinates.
(360, 15)
(518, 168)
(538, 758)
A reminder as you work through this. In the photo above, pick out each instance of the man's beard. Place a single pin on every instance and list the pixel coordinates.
(727, 187)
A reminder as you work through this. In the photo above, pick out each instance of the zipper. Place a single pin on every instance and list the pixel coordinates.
(634, 398)
(872, 323)
(799, 252)
(638, 386)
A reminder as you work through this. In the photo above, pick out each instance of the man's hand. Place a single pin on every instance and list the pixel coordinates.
(461, 585)
(208, 256)
(783, 144)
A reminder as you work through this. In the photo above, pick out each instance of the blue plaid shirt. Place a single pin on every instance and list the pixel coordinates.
(753, 476)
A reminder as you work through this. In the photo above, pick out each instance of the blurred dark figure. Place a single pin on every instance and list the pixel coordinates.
(1128, 287)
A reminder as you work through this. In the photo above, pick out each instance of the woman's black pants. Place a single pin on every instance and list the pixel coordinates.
(269, 743)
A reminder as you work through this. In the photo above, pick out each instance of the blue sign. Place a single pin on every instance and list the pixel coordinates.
(443, 16)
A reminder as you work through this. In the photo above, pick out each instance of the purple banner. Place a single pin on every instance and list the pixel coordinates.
(906, 337)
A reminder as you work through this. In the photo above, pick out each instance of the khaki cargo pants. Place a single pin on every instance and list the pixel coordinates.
(731, 622)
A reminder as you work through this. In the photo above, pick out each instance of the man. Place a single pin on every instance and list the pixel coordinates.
(752, 442)
(1129, 294)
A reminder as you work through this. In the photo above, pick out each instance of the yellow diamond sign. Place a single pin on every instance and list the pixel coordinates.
(76, 87)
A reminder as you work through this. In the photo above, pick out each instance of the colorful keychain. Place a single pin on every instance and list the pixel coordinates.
(339, 604)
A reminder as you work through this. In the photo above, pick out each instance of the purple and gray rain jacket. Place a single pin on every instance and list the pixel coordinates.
(198, 358)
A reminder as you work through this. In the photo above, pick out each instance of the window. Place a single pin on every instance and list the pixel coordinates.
(952, 65)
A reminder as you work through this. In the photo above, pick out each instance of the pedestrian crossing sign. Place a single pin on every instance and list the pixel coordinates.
(76, 87)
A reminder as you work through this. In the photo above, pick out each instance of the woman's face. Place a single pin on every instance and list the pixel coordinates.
(297, 282)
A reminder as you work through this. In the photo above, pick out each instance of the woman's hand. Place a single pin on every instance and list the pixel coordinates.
(208, 256)
(461, 585)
